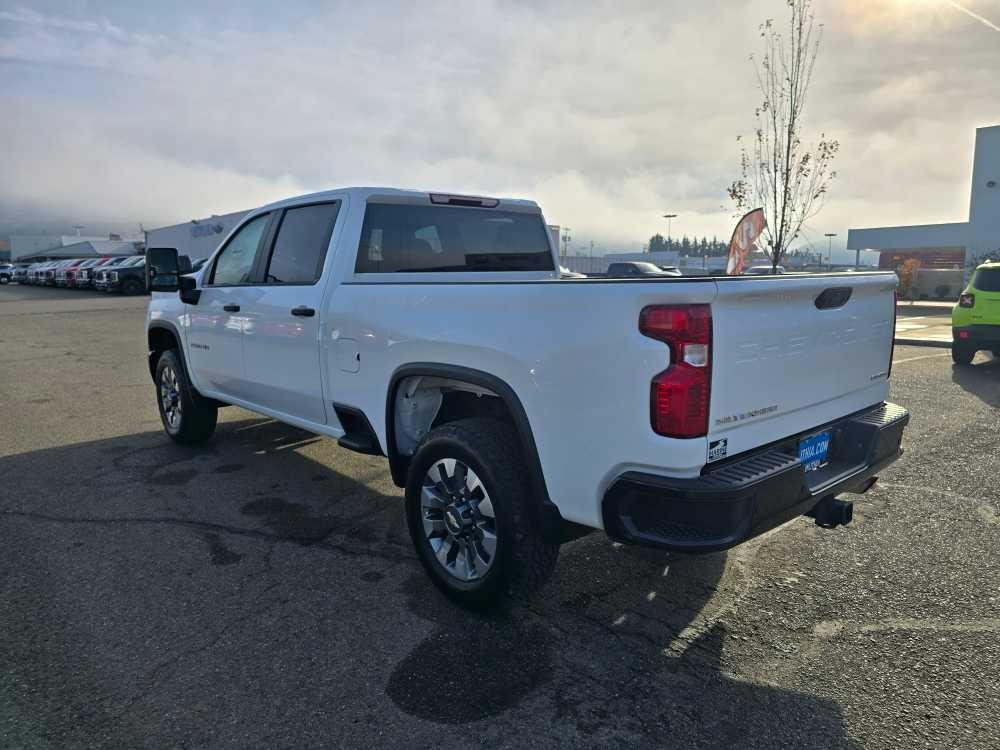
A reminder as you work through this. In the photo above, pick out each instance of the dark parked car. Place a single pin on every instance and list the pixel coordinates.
(100, 275)
(6, 273)
(638, 269)
(127, 278)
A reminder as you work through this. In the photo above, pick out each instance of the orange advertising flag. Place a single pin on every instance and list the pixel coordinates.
(747, 231)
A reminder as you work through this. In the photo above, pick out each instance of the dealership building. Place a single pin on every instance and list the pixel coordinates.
(959, 245)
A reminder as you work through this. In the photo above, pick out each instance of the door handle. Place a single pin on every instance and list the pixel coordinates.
(303, 312)
(231, 308)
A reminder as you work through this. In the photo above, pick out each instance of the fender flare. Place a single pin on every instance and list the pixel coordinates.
(550, 520)
(166, 325)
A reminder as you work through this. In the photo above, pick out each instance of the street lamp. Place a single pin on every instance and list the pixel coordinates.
(566, 238)
(668, 217)
(829, 249)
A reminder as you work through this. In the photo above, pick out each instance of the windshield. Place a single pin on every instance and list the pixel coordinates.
(987, 280)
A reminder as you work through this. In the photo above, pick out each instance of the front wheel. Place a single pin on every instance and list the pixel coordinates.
(962, 354)
(470, 513)
(187, 416)
(131, 287)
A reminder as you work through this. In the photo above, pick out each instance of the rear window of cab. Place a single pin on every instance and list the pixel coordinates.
(398, 237)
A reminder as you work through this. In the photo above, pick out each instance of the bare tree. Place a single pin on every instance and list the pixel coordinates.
(779, 173)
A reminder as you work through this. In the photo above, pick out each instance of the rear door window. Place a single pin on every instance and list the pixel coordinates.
(987, 280)
(301, 243)
(400, 237)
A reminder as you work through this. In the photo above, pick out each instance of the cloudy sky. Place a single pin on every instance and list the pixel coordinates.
(608, 114)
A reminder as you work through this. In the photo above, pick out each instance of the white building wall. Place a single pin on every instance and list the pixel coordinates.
(984, 204)
(978, 237)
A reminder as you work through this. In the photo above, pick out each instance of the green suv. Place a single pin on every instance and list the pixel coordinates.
(975, 320)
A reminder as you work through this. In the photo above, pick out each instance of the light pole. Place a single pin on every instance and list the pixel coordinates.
(669, 217)
(829, 249)
(566, 238)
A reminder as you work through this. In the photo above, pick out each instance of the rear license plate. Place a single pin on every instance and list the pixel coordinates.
(813, 450)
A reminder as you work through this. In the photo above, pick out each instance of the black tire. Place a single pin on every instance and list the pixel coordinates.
(523, 561)
(131, 287)
(194, 421)
(962, 355)
(4, 279)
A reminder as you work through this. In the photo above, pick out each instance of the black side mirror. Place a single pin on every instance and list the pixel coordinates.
(163, 270)
(190, 293)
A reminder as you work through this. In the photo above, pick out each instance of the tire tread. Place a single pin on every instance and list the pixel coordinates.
(533, 559)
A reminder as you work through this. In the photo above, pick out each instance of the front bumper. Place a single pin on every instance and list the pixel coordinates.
(982, 335)
(741, 498)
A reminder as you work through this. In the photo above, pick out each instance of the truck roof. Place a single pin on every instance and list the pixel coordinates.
(364, 193)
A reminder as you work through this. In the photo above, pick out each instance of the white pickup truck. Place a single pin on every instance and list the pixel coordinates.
(517, 408)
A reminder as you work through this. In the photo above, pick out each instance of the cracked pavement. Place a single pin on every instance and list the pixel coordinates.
(261, 592)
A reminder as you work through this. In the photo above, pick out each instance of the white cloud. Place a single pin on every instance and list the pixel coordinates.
(606, 113)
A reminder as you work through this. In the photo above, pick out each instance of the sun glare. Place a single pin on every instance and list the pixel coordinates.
(869, 15)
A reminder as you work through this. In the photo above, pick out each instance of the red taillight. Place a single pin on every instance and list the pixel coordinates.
(679, 396)
(966, 300)
(963, 334)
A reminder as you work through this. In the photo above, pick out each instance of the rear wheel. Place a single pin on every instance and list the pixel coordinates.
(187, 417)
(470, 513)
(131, 287)
(962, 354)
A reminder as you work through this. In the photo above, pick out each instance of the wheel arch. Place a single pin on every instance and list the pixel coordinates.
(161, 336)
(549, 518)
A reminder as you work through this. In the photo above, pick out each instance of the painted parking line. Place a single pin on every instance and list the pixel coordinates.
(914, 359)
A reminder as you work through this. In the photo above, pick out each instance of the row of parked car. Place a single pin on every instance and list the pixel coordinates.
(123, 274)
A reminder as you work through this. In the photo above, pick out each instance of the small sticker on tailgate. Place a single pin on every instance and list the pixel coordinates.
(718, 449)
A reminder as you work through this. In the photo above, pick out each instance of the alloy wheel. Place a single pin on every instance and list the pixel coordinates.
(458, 519)
(170, 398)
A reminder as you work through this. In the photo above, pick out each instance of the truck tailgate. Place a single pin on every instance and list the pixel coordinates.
(790, 353)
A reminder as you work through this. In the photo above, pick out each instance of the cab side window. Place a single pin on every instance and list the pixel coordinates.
(235, 263)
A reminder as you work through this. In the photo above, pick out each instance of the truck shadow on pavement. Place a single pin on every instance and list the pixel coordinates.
(251, 557)
(982, 379)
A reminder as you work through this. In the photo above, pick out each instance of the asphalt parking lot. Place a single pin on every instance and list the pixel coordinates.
(261, 591)
(924, 325)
